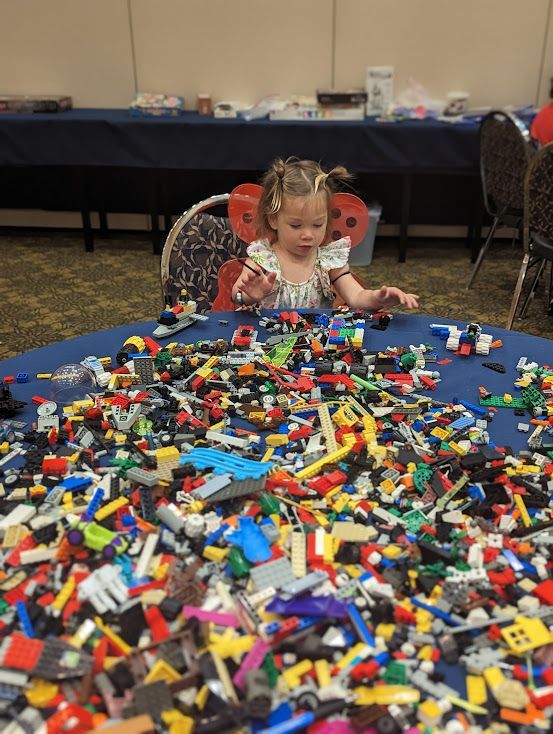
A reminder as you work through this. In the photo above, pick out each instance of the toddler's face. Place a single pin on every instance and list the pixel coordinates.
(300, 223)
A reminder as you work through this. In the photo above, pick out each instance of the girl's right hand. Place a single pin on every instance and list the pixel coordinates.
(255, 286)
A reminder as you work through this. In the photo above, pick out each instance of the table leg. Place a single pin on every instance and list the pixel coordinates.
(154, 178)
(406, 189)
(88, 234)
(476, 229)
(81, 183)
(104, 230)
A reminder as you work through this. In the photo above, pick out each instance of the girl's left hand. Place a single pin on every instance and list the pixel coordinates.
(389, 295)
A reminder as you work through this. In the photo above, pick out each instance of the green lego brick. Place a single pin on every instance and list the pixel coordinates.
(415, 519)
(395, 674)
(533, 397)
(496, 402)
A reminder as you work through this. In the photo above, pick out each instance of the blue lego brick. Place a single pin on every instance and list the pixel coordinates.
(477, 493)
(473, 408)
(463, 422)
(75, 484)
(22, 377)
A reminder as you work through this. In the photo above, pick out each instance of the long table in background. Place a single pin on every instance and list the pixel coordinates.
(92, 160)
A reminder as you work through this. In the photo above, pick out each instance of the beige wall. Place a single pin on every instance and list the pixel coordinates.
(501, 51)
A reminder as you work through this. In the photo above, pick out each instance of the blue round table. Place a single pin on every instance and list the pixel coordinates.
(460, 378)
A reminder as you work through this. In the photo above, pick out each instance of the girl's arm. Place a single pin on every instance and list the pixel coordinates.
(254, 283)
(356, 296)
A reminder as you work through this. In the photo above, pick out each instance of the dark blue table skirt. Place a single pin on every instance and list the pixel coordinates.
(111, 137)
(460, 378)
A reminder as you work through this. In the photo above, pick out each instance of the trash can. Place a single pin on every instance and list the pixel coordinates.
(363, 253)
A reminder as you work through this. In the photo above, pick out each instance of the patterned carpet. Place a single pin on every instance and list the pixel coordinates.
(52, 290)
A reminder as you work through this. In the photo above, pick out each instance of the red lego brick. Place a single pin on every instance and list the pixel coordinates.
(157, 624)
(544, 591)
(22, 653)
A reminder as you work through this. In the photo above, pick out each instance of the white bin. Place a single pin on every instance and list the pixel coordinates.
(363, 253)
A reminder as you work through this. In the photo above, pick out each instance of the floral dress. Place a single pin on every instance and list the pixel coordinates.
(316, 292)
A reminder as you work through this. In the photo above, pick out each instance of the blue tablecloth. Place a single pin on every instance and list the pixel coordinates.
(460, 378)
(111, 137)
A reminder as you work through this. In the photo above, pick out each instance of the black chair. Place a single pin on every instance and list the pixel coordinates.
(537, 229)
(195, 249)
(505, 150)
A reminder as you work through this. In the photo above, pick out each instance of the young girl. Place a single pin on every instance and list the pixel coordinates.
(289, 266)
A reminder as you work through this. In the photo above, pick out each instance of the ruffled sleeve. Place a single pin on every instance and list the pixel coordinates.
(335, 254)
(261, 252)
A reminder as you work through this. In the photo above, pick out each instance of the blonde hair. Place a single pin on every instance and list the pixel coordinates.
(294, 177)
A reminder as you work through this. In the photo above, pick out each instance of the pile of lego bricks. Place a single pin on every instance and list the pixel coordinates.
(217, 542)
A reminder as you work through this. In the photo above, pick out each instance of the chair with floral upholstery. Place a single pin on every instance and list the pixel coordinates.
(505, 150)
(537, 229)
(198, 244)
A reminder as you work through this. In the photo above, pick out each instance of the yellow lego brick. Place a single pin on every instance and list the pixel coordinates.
(315, 468)
(458, 449)
(388, 486)
(4, 447)
(462, 704)
(493, 677)
(340, 502)
(526, 520)
(110, 508)
(267, 455)
(120, 438)
(391, 552)
(322, 671)
(439, 433)
(476, 690)
(184, 725)
(276, 439)
(64, 594)
(526, 634)
(425, 653)
(429, 713)
(110, 634)
(40, 692)
(67, 500)
(80, 406)
(293, 675)
(333, 492)
(211, 553)
(109, 434)
(167, 453)
(349, 439)
(527, 469)
(357, 650)
(161, 670)
(43, 375)
(385, 631)
(201, 697)
(507, 398)
(328, 552)
(386, 695)
(161, 571)
(229, 648)
(353, 571)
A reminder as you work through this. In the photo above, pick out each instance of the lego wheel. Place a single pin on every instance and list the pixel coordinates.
(75, 537)
(108, 552)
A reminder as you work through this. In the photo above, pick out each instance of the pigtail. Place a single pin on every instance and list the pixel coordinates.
(338, 175)
(276, 192)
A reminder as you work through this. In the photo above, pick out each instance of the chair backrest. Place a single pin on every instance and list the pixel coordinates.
(196, 248)
(538, 198)
(505, 150)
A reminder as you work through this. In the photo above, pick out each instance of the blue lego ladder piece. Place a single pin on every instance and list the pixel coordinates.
(226, 463)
